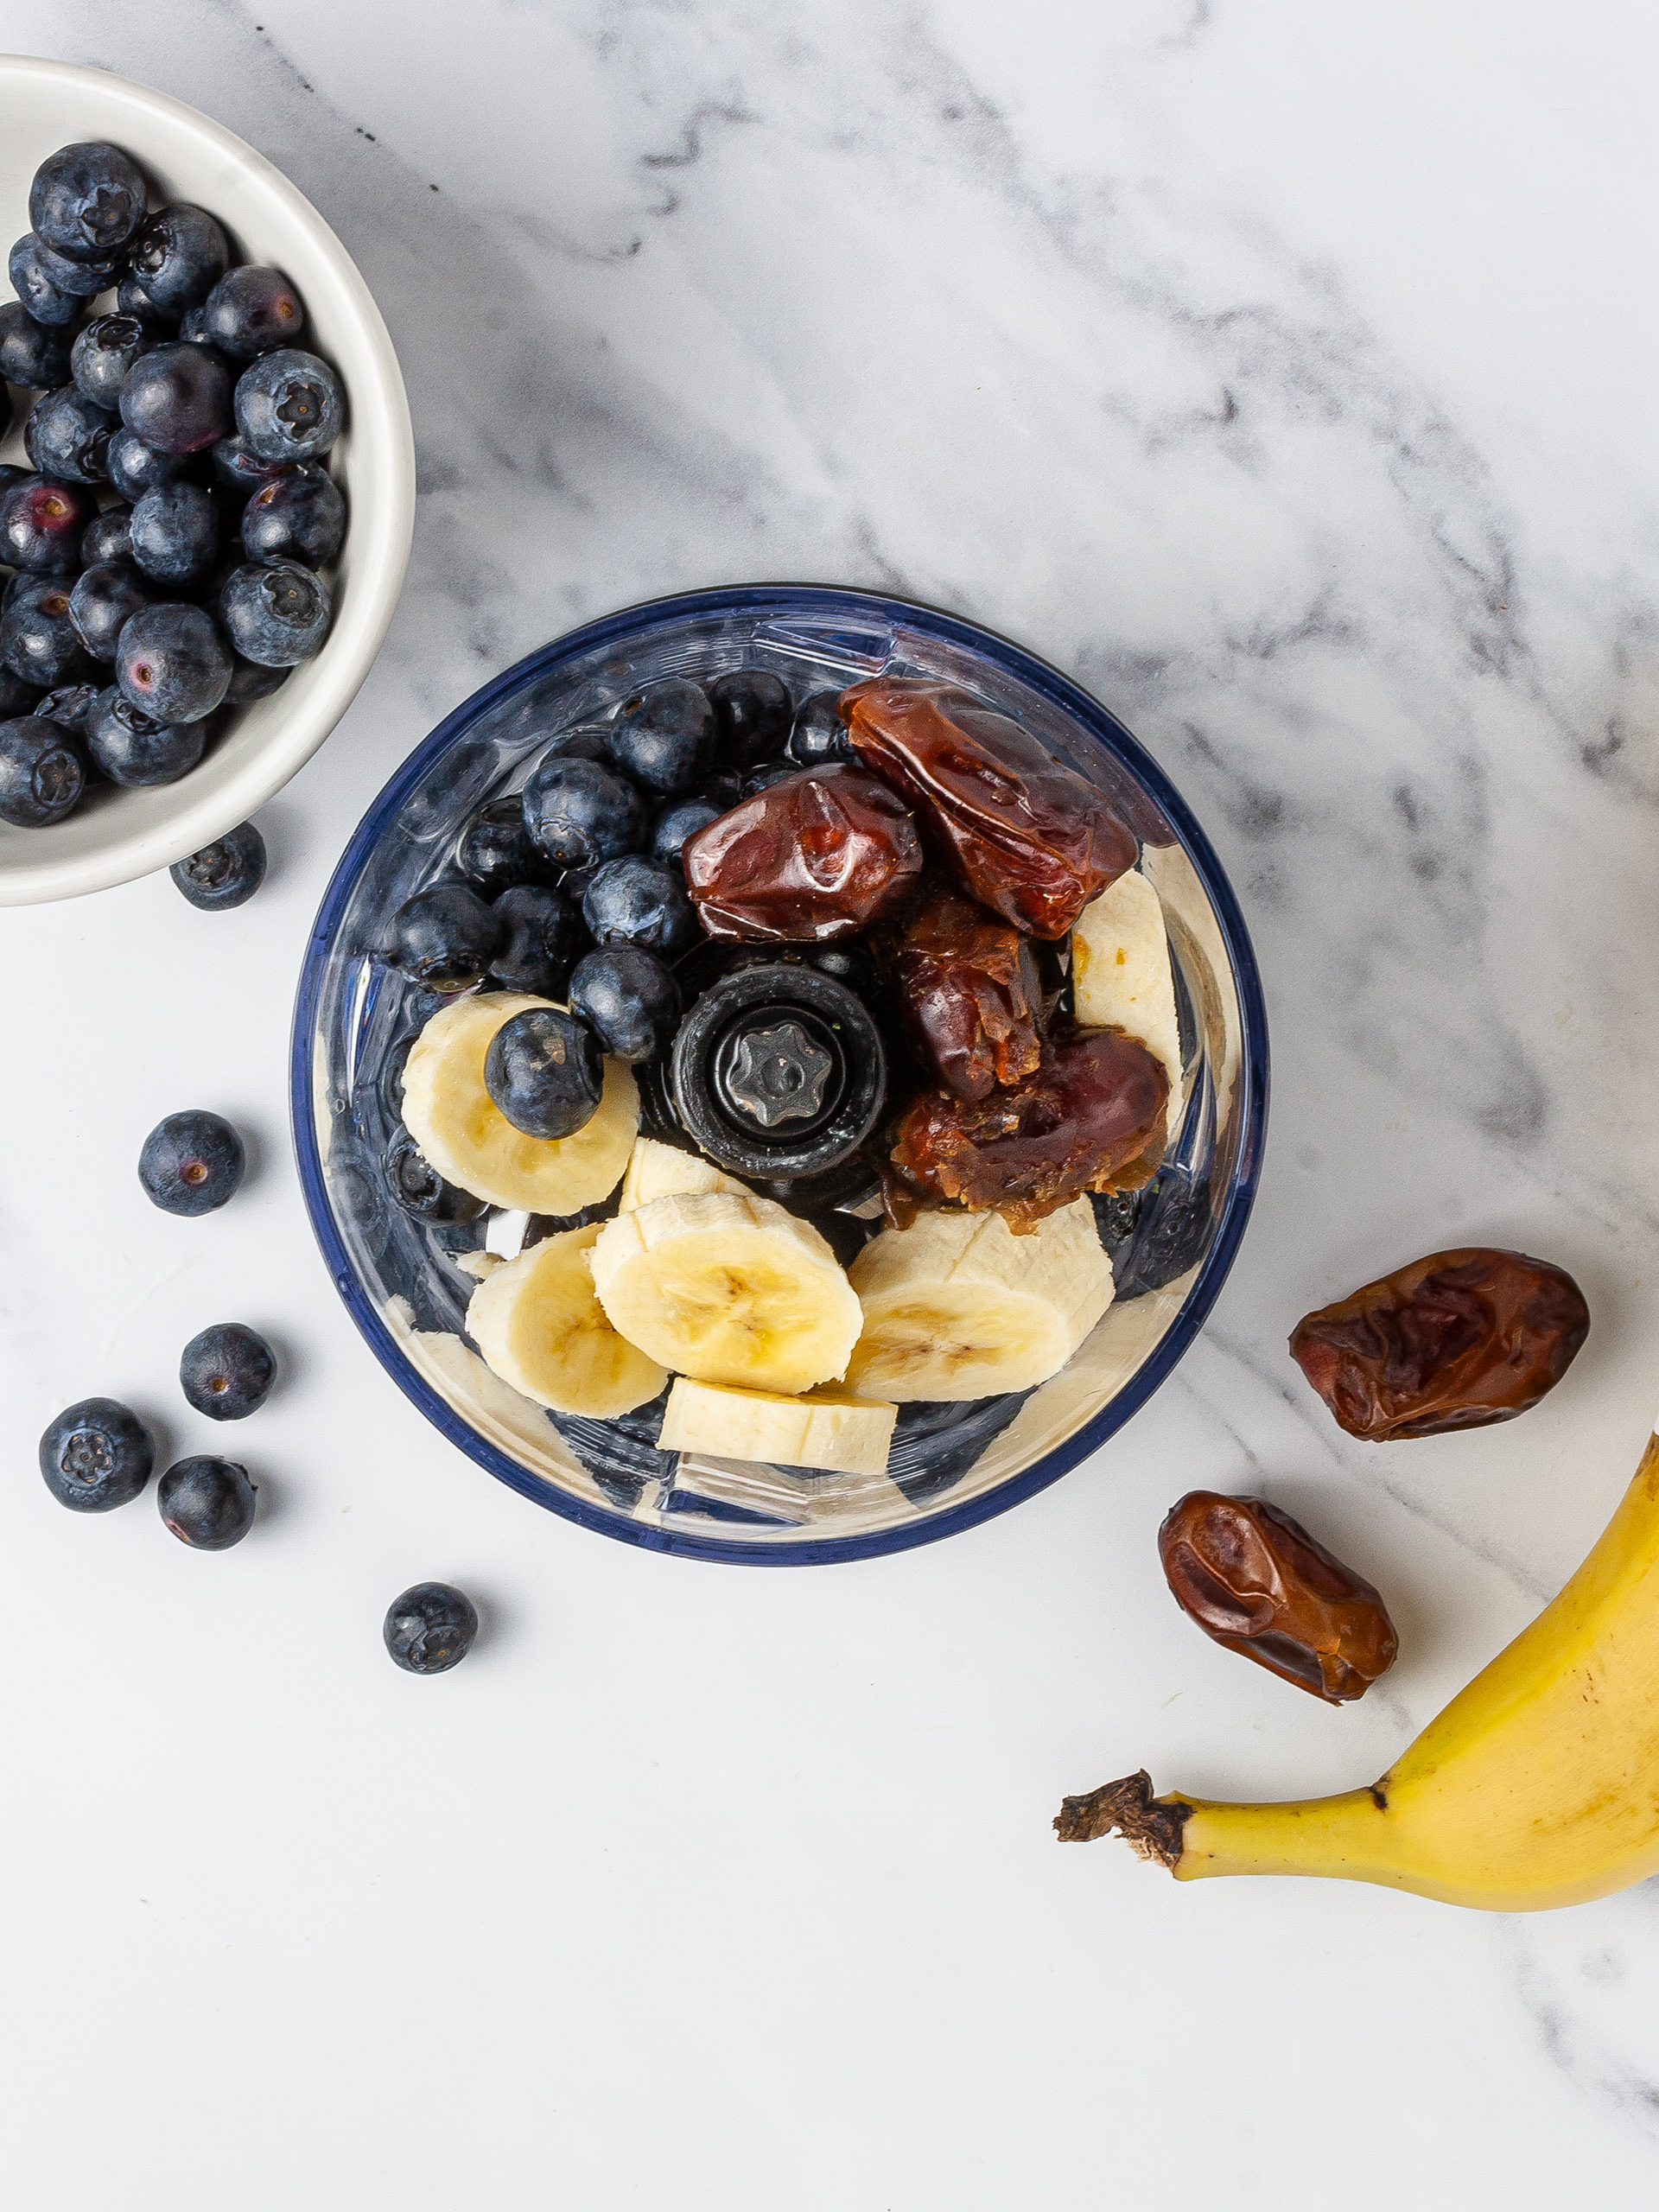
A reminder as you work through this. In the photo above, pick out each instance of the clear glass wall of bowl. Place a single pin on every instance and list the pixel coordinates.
(952, 1466)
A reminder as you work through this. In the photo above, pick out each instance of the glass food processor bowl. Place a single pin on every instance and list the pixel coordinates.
(952, 1465)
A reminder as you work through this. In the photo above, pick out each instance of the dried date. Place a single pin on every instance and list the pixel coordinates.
(1091, 1118)
(1258, 1584)
(816, 856)
(1457, 1340)
(969, 993)
(1027, 838)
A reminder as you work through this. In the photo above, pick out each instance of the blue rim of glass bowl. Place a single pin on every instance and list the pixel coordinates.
(816, 600)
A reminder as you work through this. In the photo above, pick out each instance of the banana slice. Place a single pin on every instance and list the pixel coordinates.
(539, 1326)
(463, 1133)
(663, 1170)
(1122, 977)
(849, 1436)
(728, 1289)
(958, 1306)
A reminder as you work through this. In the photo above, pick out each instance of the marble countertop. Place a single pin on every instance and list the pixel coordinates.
(1283, 372)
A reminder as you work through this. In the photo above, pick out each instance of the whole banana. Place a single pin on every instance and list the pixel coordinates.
(1537, 1786)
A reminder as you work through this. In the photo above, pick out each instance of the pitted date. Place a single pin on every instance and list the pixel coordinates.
(1091, 1118)
(818, 855)
(971, 995)
(1457, 1340)
(1258, 1584)
(1028, 838)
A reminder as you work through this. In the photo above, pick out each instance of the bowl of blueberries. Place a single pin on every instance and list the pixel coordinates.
(780, 1075)
(207, 481)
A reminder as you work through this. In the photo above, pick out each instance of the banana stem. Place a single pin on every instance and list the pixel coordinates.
(1346, 1836)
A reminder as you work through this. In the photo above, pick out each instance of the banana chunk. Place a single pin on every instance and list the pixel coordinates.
(957, 1307)
(469, 1141)
(728, 1289)
(846, 1435)
(1122, 977)
(663, 1170)
(538, 1325)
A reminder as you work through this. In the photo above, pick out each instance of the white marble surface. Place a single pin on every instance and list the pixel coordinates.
(1284, 371)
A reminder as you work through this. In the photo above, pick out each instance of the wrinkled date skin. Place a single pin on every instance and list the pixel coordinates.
(1457, 1340)
(1027, 838)
(971, 995)
(813, 857)
(1091, 1118)
(1256, 1581)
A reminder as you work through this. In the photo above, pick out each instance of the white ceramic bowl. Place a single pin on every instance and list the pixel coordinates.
(121, 834)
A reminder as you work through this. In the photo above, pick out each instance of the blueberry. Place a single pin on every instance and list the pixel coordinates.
(133, 749)
(249, 682)
(664, 736)
(207, 1504)
(87, 202)
(226, 1372)
(70, 707)
(172, 663)
(419, 1190)
(586, 742)
(430, 1628)
(103, 354)
(131, 298)
(444, 938)
(68, 436)
(32, 355)
(722, 789)
(628, 999)
(178, 256)
(677, 823)
(108, 536)
(275, 611)
(41, 777)
(191, 1162)
(76, 280)
(545, 1072)
(176, 534)
(770, 772)
(579, 813)
(752, 715)
(496, 851)
(38, 641)
(95, 1455)
(192, 331)
(298, 516)
(17, 697)
(636, 901)
(289, 406)
(100, 600)
(135, 468)
(41, 299)
(177, 399)
(542, 937)
(239, 469)
(818, 732)
(252, 310)
(225, 874)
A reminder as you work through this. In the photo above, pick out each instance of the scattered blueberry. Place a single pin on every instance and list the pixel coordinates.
(249, 682)
(41, 525)
(275, 611)
(430, 1628)
(95, 1455)
(417, 1187)
(178, 256)
(176, 534)
(579, 813)
(131, 298)
(87, 202)
(298, 516)
(172, 663)
(31, 354)
(664, 736)
(38, 641)
(134, 749)
(70, 707)
(771, 771)
(41, 773)
(818, 732)
(636, 901)
(544, 1071)
(177, 399)
(239, 469)
(289, 406)
(17, 697)
(100, 602)
(108, 536)
(206, 1503)
(80, 279)
(542, 937)
(629, 999)
(104, 352)
(135, 468)
(444, 938)
(225, 874)
(251, 311)
(496, 851)
(677, 823)
(191, 1163)
(226, 1372)
(752, 715)
(722, 789)
(67, 435)
(43, 300)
